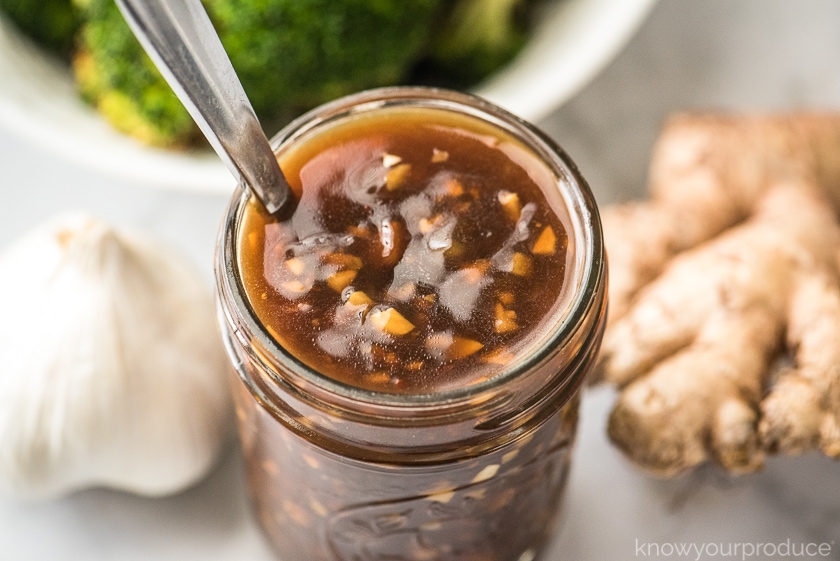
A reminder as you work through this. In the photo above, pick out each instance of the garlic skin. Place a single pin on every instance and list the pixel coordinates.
(112, 372)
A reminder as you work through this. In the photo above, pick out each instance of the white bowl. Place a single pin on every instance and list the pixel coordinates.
(574, 40)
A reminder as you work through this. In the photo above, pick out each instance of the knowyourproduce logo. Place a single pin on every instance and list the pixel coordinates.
(732, 550)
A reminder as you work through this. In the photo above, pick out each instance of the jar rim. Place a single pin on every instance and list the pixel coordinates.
(590, 264)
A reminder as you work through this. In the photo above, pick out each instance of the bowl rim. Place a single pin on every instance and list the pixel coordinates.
(571, 44)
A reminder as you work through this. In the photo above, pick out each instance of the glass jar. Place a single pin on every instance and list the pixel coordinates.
(475, 473)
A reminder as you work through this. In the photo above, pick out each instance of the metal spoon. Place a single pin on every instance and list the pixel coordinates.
(181, 41)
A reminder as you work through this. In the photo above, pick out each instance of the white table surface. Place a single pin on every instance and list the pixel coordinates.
(691, 54)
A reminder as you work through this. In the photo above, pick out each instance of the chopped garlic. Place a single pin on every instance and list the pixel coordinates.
(500, 356)
(439, 156)
(506, 298)
(487, 473)
(343, 260)
(505, 320)
(390, 321)
(396, 176)
(521, 265)
(295, 265)
(341, 280)
(454, 187)
(442, 498)
(294, 287)
(510, 455)
(390, 160)
(403, 292)
(546, 243)
(359, 298)
(426, 225)
(510, 204)
(462, 347)
(378, 378)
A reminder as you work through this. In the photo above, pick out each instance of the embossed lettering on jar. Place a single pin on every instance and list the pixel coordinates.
(411, 342)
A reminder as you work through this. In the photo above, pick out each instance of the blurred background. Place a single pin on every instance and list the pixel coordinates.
(745, 55)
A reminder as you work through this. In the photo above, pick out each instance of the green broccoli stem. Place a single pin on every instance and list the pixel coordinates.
(477, 24)
(50, 23)
(481, 35)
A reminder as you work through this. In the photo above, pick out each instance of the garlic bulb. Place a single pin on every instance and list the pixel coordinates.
(111, 369)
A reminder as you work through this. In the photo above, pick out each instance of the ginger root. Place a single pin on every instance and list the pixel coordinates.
(729, 271)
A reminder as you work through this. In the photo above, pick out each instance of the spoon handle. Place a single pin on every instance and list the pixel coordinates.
(181, 41)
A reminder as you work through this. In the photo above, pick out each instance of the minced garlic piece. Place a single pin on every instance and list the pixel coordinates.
(390, 321)
(426, 225)
(500, 356)
(506, 298)
(442, 498)
(510, 204)
(359, 298)
(295, 265)
(462, 347)
(379, 378)
(347, 260)
(546, 244)
(521, 265)
(487, 473)
(505, 320)
(403, 292)
(341, 280)
(454, 188)
(390, 160)
(294, 286)
(396, 176)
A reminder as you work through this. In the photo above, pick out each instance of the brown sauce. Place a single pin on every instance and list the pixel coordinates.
(426, 252)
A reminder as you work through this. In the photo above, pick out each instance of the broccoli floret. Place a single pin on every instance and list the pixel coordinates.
(116, 76)
(479, 36)
(289, 54)
(50, 23)
(295, 54)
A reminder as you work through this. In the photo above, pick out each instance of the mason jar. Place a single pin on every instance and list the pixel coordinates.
(338, 473)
